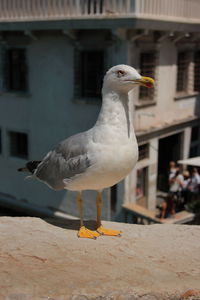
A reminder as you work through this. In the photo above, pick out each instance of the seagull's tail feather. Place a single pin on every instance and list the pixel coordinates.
(31, 166)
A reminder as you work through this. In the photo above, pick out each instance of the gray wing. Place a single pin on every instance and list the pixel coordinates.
(68, 159)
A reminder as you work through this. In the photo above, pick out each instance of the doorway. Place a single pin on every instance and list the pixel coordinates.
(169, 150)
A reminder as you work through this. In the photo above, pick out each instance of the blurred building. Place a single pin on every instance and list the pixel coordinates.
(53, 55)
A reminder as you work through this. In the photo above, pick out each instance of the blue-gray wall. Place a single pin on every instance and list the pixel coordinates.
(49, 113)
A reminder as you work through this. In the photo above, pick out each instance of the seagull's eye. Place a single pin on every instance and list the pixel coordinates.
(120, 73)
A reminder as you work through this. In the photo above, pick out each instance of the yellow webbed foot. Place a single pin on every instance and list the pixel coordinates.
(110, 232)
(86, 233)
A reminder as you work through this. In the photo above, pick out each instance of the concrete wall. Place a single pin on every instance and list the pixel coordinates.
(41, 260)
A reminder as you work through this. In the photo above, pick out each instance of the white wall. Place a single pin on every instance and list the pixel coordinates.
(167, 109)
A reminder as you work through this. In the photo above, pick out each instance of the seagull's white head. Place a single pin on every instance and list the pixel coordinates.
(123, 78)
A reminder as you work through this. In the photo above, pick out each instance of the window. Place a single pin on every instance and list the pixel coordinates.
(147, 68)
(182, 72)
(89, 69)
(141, 186)
(15, 70)
(197, 71)
(143, 151)
(18, 144)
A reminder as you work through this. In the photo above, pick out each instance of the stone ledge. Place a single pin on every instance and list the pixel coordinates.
(40, 260)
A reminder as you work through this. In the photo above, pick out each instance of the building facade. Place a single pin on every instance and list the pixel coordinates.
(53, 55)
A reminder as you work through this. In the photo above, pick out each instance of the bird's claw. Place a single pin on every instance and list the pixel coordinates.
(86, 233)
(110, 232)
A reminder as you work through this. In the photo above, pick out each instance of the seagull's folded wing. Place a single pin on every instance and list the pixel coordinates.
(67, 160)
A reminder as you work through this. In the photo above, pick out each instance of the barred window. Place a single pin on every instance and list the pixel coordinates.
(182, 72)
(15, 70)
(197, 71)
(18, 142)
(147, 68)
(143, 151)
(89, 69)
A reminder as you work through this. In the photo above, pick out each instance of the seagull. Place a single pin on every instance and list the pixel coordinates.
(101, 156)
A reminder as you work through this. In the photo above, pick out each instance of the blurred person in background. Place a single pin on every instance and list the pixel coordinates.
(193, 185)
(185, 190)
(176, 181)
(172, 168)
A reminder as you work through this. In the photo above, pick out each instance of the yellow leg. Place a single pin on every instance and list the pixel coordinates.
(83, 231)
(100, 228)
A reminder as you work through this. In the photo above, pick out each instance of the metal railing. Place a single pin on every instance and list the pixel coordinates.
(174, 10)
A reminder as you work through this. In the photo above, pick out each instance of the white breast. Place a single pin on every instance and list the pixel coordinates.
(110, 164)
(112, 149)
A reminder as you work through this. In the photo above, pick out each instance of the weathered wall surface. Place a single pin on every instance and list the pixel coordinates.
(44, 261)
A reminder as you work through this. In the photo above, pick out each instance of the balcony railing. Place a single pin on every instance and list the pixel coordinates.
(172, 10)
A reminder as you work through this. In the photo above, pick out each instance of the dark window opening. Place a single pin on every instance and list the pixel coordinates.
(193, 151)
(194, 143)
(195, 134)
(182, 72)
(170, 149)
(197, 71)
(143, 151)
(15, 70)
(113, 198)
(18, 144)
(89, 69)
(147, 68)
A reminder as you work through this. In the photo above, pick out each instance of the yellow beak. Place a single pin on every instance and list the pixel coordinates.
(146, 81)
